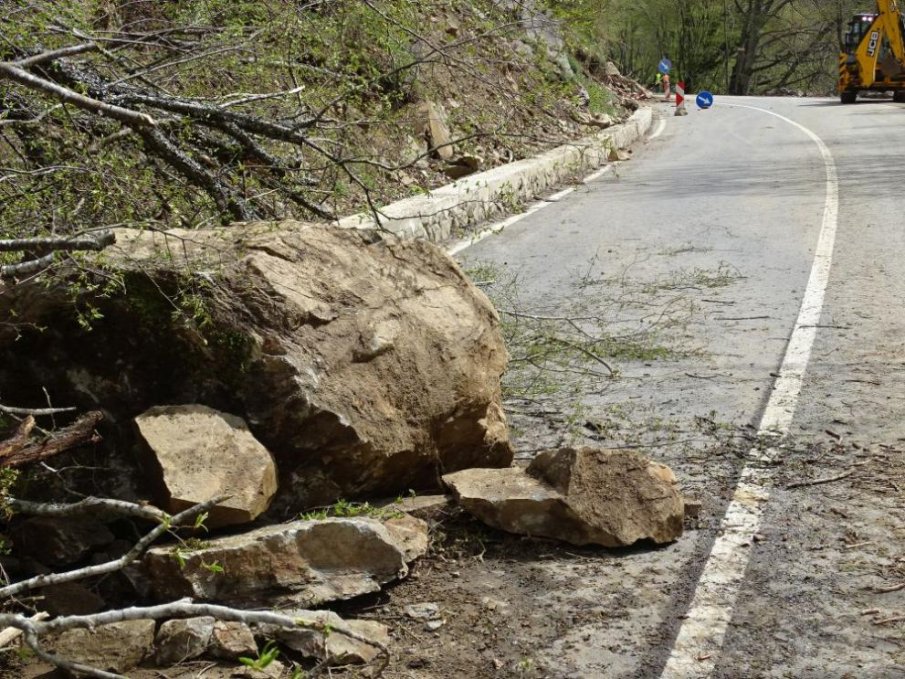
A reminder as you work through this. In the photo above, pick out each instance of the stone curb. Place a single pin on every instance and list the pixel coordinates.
(481, 196)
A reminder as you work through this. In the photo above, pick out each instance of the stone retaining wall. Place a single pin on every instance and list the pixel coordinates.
(483, 195)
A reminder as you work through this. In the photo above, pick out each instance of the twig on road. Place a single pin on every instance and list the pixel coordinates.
(891, 588)
(817, 482)
(886, 621)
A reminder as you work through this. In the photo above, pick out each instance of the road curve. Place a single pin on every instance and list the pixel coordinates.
(724, 216)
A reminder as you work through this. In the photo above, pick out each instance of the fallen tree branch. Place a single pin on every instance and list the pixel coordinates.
(19, 75)
(183, 608)
(98, 242)
(80, 432)
(110, 566)
(92, 506)
(37, 412)
(26, 268)
(10, 634)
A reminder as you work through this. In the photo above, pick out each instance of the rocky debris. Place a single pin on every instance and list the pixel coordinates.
(201, 453)
(299, 563)
(432, 125)
(681, 110)
(423, 611)
(363, 366)
(70, 598)
(116, 647)
(611, 70)
(426, 507)
(182, 639)
(333, 647)
(410, 534)
(598, 120)
(585, 496)
(618, 155)
(56, 542)
(462, 166)
(231, 640)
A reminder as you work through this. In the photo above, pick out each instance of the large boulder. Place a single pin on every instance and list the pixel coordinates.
(302, 563)
(198, 453)
(365, 366)
(587, 496)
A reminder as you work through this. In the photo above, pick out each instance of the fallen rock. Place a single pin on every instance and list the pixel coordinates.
(201, 453)
(363, 366)
(117, 647)
(426, 507)
(432, 125)
(182, 639)
(585, 496)
(57, 542)
(300, 563)
(618, 155)
(423, 611)
(232, 640)
(334, 648)
(70, 598)
(410, 534)
(611, 69)
(463, 166)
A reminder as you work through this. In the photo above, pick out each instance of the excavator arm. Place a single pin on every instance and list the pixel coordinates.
(887, 25)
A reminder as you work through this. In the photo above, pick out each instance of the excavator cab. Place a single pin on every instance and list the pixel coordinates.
(857, 29)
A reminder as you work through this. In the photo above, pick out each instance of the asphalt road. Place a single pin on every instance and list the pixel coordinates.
(706, 240)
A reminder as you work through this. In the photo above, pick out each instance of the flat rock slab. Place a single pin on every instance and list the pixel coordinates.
(117, 647)
(200, 453)
(586, 496)
(300, 563)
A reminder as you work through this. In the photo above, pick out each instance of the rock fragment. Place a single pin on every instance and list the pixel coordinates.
(201, 453)
(299, 563)
(585, 496)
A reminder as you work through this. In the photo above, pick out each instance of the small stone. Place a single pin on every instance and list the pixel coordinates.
(231, 640)
(183, 639)
(423, 611)
(434, 625)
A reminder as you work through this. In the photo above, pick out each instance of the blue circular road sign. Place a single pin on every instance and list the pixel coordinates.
(704, 99)
(664, 66)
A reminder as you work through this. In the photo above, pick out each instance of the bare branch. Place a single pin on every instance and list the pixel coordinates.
(67, 244)
(92, 506)
(110, 566)
(17, 74)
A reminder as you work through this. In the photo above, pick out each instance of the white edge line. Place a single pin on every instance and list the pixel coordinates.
(466, 243)
(703, 630)
(461, 245)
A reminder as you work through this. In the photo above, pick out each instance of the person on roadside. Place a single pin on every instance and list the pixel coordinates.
(667, 91)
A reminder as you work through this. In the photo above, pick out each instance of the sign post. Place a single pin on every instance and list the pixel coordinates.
(680, 99)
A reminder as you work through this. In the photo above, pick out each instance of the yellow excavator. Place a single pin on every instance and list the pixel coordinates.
(873, 56)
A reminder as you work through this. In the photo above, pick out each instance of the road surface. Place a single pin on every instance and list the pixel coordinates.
(760, 244)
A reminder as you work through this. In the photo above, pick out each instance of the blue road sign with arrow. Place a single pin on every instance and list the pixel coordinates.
(704, 99)
(664, 66)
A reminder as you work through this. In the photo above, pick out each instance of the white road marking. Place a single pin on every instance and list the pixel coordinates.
(702, 633)
(465, 243)
(456, 248)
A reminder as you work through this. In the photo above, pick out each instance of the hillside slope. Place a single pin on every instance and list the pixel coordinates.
(166, 114)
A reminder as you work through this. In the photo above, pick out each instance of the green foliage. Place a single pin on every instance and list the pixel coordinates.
(346, 509)
(265, 657)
